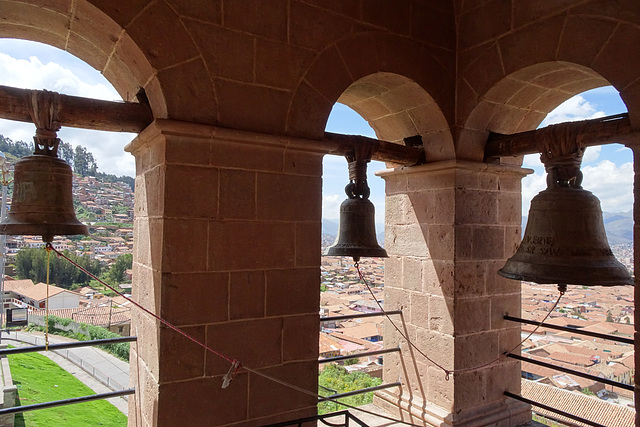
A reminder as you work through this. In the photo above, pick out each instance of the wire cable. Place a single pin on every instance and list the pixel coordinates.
(236, 365)
(449, 372)
(149, 312)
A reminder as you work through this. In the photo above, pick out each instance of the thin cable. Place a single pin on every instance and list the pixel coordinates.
(310, 393)
(235, 364)
(448, 372)
(149, 312)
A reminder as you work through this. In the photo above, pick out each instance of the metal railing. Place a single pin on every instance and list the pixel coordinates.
(357, 355)
(572, 330)
(595, 378)
(70, 401)
(63, 351)
(552, 409)
(324, 420)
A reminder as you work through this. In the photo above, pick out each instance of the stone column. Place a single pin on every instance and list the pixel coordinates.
(449, 227)
(227, 248)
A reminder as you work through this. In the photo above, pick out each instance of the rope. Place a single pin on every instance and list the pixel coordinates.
(236, 365)
(46, 306)
(149, 312)
(449, 372)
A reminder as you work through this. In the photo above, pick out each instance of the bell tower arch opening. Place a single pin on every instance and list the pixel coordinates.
(530, 98)
(389, 107)
(33, 65)
(608, 174)
(103, 198)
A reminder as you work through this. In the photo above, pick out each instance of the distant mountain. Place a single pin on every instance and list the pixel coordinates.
(329, 227)
(617, 225)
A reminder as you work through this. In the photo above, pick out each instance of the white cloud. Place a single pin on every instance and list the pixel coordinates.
(532, 185)
(107, 147)
(591, 154)
(331, 205)
(33, 74)
(612, 185)
(573, 109)
(532, 161)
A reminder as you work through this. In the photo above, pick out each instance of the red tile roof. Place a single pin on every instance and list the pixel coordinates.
(576, 403)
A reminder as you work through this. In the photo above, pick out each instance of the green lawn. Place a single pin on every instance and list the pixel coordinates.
(40, 380)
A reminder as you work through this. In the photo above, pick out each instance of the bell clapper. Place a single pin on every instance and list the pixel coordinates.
(562, 288)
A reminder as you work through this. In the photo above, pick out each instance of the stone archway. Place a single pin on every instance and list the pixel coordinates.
(397, 107)
(380, 83)
(91, 35)
(521, 100)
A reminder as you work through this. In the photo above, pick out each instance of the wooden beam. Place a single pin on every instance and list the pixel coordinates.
(382, 150)
(605, 130)
(134, 117)
(80, 112)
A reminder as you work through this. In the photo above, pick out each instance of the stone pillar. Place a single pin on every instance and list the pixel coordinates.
(227, 248)
(449, 227)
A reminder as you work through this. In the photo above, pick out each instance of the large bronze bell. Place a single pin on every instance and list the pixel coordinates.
(357, 229)
(42, 195)
(565, 243)
(42, 201)
(564, 240)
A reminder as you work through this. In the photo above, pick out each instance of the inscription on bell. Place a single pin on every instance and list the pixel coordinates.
(539, 240)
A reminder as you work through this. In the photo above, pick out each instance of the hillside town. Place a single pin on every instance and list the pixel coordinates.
(607, 310)
(108, 210)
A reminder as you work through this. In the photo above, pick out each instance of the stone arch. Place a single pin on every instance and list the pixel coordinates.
(88, 33)
(400, 87)
(555, 57)
(522, 99)
(397, 107)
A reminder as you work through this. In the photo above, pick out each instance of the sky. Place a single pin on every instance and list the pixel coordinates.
(608, 169)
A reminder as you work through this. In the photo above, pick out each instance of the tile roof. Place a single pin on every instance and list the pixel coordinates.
(15, 285)
(98, 316)
(591, 408)
(39, 292)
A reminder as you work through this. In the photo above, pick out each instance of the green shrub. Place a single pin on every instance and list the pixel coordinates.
(120, 350)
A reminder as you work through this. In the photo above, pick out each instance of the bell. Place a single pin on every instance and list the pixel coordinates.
(356, 231)
(357, 226)
(565, 242)
(42, 199)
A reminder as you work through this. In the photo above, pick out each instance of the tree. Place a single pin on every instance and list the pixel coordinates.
(83, 162)
(609, 316)
(32, 264)
(336, 378)
(65, 152)
(116, 275)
